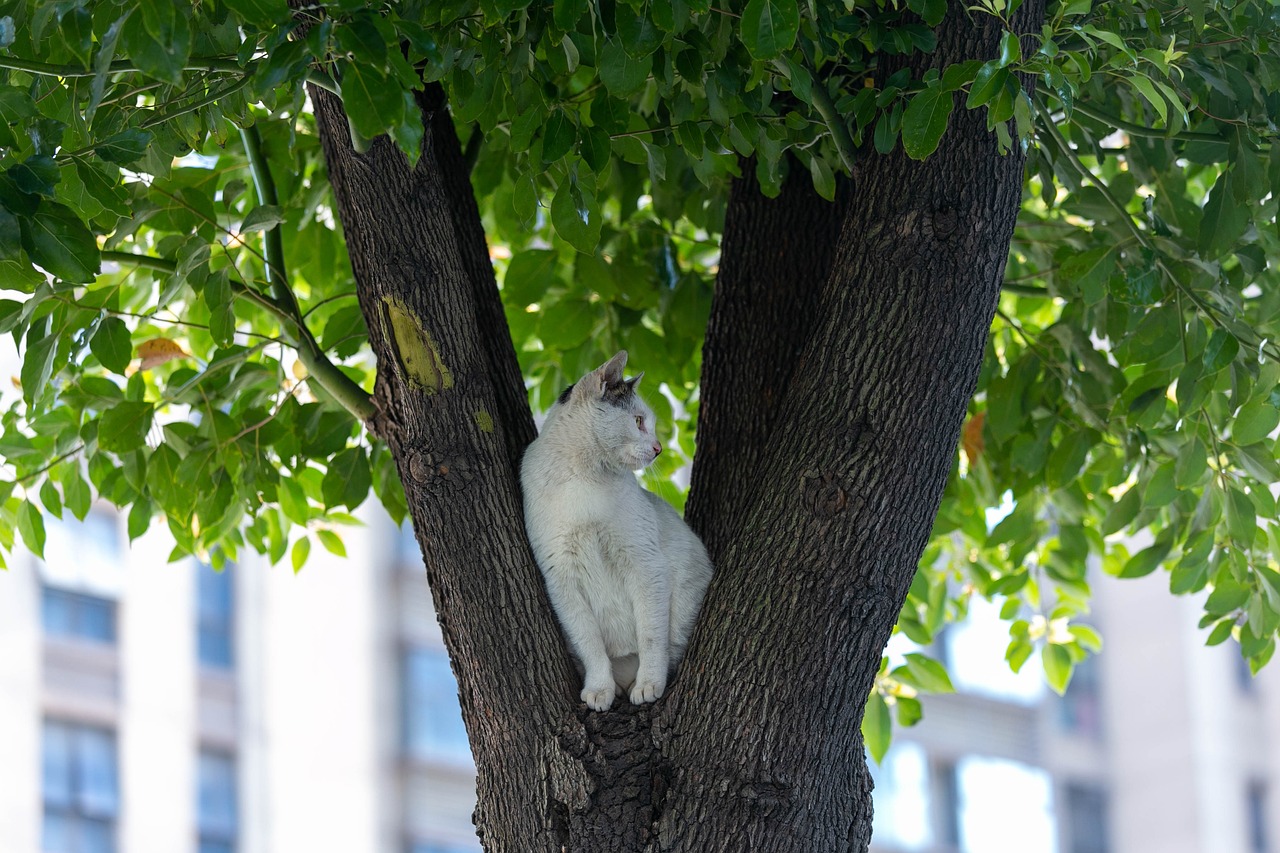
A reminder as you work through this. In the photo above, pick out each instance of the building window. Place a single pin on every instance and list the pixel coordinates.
(1257, 803)
(944, 792)
(216, 803)
(73, 614)
(1087, 820)
(901, 817)
(214, 617)
(1244, 675)
(1079, 710)
(81, 794)
(992, 789)
(433, 727)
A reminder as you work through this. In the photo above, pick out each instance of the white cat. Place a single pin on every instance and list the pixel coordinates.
(624, 572)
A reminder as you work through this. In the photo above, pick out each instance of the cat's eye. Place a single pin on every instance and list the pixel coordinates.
(640, 422)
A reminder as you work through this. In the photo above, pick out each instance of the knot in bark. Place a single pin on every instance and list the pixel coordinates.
(942, 223)
(439, 470)
(824, 494)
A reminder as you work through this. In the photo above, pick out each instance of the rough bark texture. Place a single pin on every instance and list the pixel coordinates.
(776, 256)
(412, 247)
(844, 344)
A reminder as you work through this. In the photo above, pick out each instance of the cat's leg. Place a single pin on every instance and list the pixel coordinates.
(587, 641)
(653, 616)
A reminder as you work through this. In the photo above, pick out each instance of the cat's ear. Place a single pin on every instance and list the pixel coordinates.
(610, 372)
(635, 380)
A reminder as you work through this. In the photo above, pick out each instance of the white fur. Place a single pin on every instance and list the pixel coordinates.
(624, 572)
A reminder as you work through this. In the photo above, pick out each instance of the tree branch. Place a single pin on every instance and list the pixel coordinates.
(198, 63)
(1134, 129)
(351, 396)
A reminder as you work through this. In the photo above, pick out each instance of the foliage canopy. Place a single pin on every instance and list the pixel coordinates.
(192, 350)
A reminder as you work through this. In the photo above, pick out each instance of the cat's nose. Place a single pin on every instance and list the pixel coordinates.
(657, 448)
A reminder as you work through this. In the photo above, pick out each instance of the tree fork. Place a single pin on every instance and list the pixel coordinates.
(811, 581)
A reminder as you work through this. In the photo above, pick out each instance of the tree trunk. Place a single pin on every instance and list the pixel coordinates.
(843, 347)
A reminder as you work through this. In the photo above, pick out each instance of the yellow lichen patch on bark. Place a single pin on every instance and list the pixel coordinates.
(419, 355)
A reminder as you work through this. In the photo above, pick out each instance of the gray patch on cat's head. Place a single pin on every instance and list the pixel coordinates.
(620, 394)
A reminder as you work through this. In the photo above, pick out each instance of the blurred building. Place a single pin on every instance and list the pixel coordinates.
(155, 707)
(1160, 744)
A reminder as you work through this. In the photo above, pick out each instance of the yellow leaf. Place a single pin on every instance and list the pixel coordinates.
(157, 351)
(972, 440)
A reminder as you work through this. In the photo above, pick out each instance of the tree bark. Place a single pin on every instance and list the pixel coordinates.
(839, 360)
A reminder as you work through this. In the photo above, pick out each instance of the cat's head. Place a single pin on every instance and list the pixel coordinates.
(618, 422)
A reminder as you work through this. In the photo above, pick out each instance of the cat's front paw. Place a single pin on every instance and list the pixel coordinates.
(647, 690)
(599, 698)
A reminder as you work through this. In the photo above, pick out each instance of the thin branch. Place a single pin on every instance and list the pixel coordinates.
(1134, 129)
(149, 262)
(36, 473)
(207, 63)
(830, 116)
(350, 395)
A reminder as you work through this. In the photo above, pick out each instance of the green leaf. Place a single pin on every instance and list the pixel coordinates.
(57, 240)
(293, 501)
(163, 59)
(1242, 519)
(877, 727)
(331, 542)
(769, 27)
(76, 29)
(1010, 49)
(75, 492)
(909, 711)
(344, 331)
(1220, 351)
(113, 345)
(1068, 458)
(927, 674)
(1223, 220)
(1145, 561)
(1143, 85)
(347, 481)
(595, 147)
(925, 120)
(31, 528)
(1226, 597)
(1087, 637)
(622, 75)
(1220, 632)
(262, 218)
(37, 365)
(529, 274)
(124, 148)
(123, 427)
(165, 484)
(373, 103)
(988, 83)
(139, 518)
(1193, 461)
(577, 221)
(51, 499)
(558, 136)
(1057, 666)
(301, 550)
(1255, 421)
(261, 12)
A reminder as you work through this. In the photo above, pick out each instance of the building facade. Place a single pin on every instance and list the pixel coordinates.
(1160, 745)
(155, 707)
